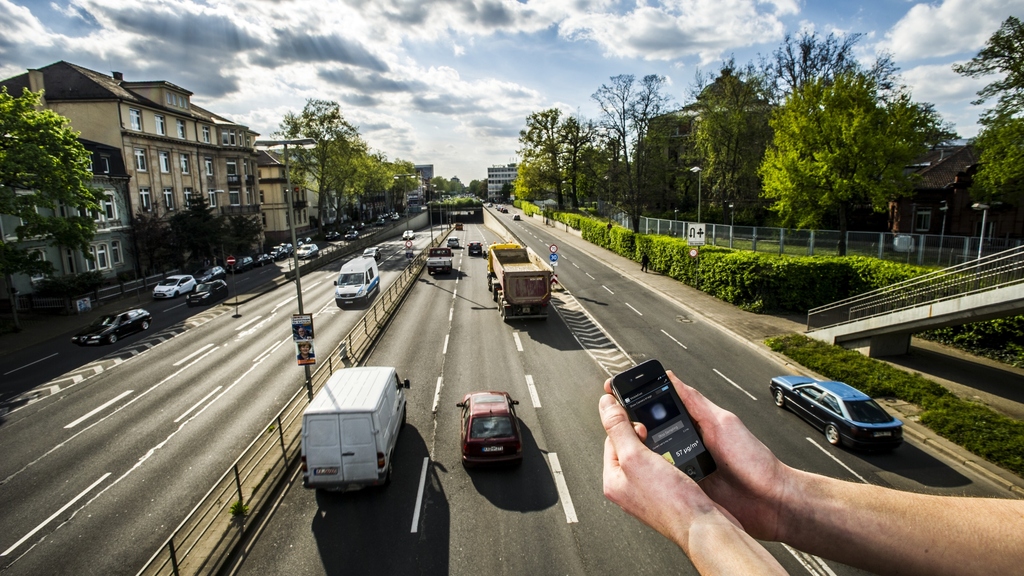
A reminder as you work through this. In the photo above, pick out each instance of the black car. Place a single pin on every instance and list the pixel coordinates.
(262, 260)
(351, 235)
(242, 264)
(208, 293)
(108, 329)
(210, 273)
(282, 251)
(332, 236)
(846, 415)
(475, 248)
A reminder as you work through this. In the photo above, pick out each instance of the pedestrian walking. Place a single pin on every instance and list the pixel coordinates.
(644, 261)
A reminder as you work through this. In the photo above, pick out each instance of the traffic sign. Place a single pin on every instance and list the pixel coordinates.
(554, 258)
(695, 234)
(693, 252)
(230, 260)
(553, 248)
(408, 243)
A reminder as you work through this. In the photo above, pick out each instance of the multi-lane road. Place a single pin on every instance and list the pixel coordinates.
(96, 475)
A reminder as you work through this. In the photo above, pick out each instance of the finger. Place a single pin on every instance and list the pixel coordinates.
(608, 386)
(641, 431)
(618, 427)
(699, 407)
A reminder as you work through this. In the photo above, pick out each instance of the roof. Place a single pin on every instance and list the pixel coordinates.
(489, 403)
(940, 166)
(352, 390)
(843, 391)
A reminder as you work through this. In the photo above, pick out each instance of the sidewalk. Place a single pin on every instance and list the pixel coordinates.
(996, 385)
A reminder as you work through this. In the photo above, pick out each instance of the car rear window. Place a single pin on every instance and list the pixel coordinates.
(868, 412)
(484, 427)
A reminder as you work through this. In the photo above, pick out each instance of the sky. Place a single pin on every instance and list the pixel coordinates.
(451, 82)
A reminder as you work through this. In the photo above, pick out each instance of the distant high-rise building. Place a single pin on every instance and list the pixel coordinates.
(498, 176)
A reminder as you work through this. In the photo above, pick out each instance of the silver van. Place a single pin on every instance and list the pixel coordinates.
(358, 281)
(350, 429)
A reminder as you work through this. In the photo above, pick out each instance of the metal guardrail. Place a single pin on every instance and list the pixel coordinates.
(207, 538)
(989, 273)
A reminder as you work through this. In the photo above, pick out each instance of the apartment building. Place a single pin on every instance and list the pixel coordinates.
(273, 184)
(172, 149)
(497, 177)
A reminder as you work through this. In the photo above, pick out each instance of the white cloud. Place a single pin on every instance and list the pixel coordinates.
(950, 92)
(947, 28)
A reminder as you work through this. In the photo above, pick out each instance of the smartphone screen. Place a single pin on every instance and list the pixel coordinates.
(648, 397)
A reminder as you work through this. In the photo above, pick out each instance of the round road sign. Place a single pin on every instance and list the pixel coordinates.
(408, 243)
(230, 260)
(693, 252)
(553, 248)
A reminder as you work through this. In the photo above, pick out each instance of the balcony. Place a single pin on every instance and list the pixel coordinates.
(242, 209)
(234, 181)
(250, 180)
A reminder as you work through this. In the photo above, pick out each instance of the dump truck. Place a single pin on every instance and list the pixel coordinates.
(519, 281)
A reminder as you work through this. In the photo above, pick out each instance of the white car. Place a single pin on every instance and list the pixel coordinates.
(172, 286)
(374, 253)
(308, 251)
(408, 235)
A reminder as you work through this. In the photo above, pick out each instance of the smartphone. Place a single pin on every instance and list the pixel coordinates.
(649, 397)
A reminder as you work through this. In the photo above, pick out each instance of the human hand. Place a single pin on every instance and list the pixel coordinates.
(749, 484)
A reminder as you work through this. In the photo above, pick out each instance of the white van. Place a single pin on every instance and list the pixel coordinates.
(358, 281)
(350, 428)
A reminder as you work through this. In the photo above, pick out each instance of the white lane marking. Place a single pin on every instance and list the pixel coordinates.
(444, 350)
(437, 395)
(674, 340)
(313, 285)
(454, 292)
(196, 405)
(242, 327)
(282, 303)
(55, 514)
(575, 264)
(31, 363)
(259, 357)
(419, 495)
(99, 409)
(838, 461)
(811, 563)
(533, 391)
(591, 277)
(608, 289)
(173, 307)
(634, 309)
(734, 384)
(563, 489)
(451, 311)
(519, 343)
(189, 357)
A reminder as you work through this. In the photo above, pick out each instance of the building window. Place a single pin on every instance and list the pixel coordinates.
(209, 166)
(181, 129)
(184, 163)
(105, 164)
(109, 207)
(232, 168)
(165, 162)
(261, 196)
(115, 252)
(233, 196)
(923, 220)
(213, 198)
(161, 127)
(144, 201)
(38, 255)
(69, 259)
(169, 198)
(227, 137)
(135, 117)
(206, 134)
(140, 159)
(99, 257)
(188, 197)
(264, 215)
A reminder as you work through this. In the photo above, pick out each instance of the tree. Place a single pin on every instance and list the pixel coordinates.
(1001, 140)
(44, 171)
(838, 145)
(577, 136)
(241, 233)
(541, 153)
(150, 237)
(198, 232)
(628, 109)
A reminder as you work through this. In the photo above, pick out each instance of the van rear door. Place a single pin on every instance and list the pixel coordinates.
(359, 448)
(323, 448)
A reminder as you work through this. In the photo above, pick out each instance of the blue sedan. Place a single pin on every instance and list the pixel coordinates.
(846, 415)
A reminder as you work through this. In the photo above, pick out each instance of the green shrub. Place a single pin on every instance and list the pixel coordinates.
(70, 285)
(1001, 339)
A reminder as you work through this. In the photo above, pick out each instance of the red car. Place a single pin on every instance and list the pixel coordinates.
(490, 429)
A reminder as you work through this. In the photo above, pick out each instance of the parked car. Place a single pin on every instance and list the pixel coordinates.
(351, 235)
(475, 248)
(453, 242)
(516, 217)
(373, 252)
(262, 260)
(173, 286)
(332, 236)
(380, 222)
(490, 429)
(209, 273)
(308, 251)
(846, 415)
(408, 235)
(396, 216)
(109, 328)
(208, 293)
(242, 264)
(282, 251)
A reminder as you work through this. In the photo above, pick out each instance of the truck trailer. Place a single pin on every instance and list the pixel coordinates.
(519, 281)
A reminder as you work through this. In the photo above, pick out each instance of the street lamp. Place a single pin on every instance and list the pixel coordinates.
(984, 215)
(290, 213)
(942, 231)
(698, 171)
(732, 222)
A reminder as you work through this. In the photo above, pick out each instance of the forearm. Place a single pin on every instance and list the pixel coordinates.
(887, 531)
(717, 546)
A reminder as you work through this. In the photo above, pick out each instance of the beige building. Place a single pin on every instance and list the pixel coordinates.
(272, 185)
(173, 149)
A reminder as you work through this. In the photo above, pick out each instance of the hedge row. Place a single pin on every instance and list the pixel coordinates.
(976, 427)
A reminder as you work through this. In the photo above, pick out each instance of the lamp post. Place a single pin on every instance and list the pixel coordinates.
(290, 213)
(698, 171)
(942, 231)
(732, 222)
(984, 215)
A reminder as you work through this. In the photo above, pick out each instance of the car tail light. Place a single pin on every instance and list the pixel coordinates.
(380, 460)
(304, 468)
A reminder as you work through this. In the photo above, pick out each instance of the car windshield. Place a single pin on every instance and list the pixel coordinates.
(169, 282)
(106, 321)
(204, 288)
(868, 412)
(369, 251)
(485, 427)
(350, 279)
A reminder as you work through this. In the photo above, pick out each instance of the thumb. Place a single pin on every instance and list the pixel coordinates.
(617, 425)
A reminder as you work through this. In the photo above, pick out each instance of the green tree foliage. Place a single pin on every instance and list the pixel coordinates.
(197, 231)
(152, 242)
(241, 233)
(43, 168)
(541, 150)
(578, 144)
(1001, 141)
(838, 145)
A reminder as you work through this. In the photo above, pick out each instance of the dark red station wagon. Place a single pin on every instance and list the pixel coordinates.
(490, 429)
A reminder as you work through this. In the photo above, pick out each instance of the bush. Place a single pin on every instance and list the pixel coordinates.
(70, 285)
(974, 426)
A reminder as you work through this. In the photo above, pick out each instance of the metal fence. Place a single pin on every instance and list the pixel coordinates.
(919, 249)
(981, 275)
(206, 540)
